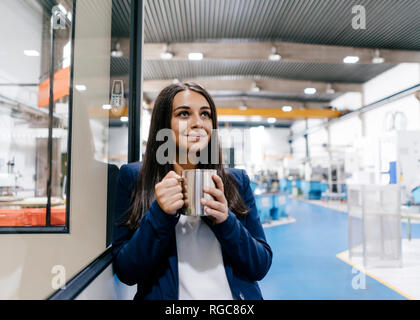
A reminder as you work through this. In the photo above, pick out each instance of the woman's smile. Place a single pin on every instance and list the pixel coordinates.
(196, 136)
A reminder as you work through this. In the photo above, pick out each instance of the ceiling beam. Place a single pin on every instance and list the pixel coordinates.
(279, 113)
(296, 113)
(268, 103)
(289, 52)
(268, 85)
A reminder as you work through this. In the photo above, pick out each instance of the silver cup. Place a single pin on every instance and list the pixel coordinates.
(193, 181)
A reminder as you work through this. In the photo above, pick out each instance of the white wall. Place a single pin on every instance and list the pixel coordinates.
(317, 143)
(358, 136)
(256, 148)
(349, 100)
(401, 77)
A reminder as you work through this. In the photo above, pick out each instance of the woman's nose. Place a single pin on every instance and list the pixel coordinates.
(197, 121)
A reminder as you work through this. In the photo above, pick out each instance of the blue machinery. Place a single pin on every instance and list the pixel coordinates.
(311, 190)
(271, 206)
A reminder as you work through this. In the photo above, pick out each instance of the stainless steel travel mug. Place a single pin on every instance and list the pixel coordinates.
(193, 182)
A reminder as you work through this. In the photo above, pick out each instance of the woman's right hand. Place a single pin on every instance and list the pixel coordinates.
(169, 194)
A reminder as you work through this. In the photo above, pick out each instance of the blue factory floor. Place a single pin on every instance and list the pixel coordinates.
(305, 265)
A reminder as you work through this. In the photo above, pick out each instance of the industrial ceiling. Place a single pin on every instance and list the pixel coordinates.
(392, 26)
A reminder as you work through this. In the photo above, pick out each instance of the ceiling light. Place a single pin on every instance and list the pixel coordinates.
(310, 90)
(330, 89)
(107, 107)
(271, 120)
(124, 119)
(31, 53)
(116, 52)
(351, 59)
(195, 56)
(166, 55)
(377, 57)
(80, 87)
(274, 56)
(254, 87)
(287, 108)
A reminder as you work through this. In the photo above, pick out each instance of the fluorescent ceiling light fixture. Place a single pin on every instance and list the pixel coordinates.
(330, 89)
(254, 87)
(107, 107)
(31, 53)
(116, 52)
(166, 55)
(274, 56)
(195, 56)
(287, 108)
(310, 90)
(80, 87)
(351, 59)
(271, 120)
(377, 57)
(124, 119)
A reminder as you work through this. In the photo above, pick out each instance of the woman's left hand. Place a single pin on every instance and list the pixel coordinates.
(217, 208)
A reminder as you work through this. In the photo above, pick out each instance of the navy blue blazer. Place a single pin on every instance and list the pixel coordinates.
(148, 256)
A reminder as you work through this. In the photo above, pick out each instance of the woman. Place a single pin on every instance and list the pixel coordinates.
(178, 257)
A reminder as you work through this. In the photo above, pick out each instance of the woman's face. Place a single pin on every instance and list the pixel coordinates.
(191, 120)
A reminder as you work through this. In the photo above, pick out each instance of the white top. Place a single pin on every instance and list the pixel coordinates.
(201, 271)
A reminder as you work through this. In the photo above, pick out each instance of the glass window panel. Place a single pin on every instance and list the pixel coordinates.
(32, 157)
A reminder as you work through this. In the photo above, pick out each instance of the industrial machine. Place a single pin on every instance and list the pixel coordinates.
(400, 163)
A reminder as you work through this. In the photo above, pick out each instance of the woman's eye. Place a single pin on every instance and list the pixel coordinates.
(206, 114)
(183, 113)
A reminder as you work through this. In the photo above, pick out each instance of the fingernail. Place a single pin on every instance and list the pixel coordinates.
(203, 201)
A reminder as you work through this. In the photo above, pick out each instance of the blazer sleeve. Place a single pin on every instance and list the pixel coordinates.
(137, 254)
(245, 244)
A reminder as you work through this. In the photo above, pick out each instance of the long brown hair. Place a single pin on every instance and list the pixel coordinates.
(152, 172)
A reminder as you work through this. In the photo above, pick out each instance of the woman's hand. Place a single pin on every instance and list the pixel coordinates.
(217, 208)
(169, 194)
